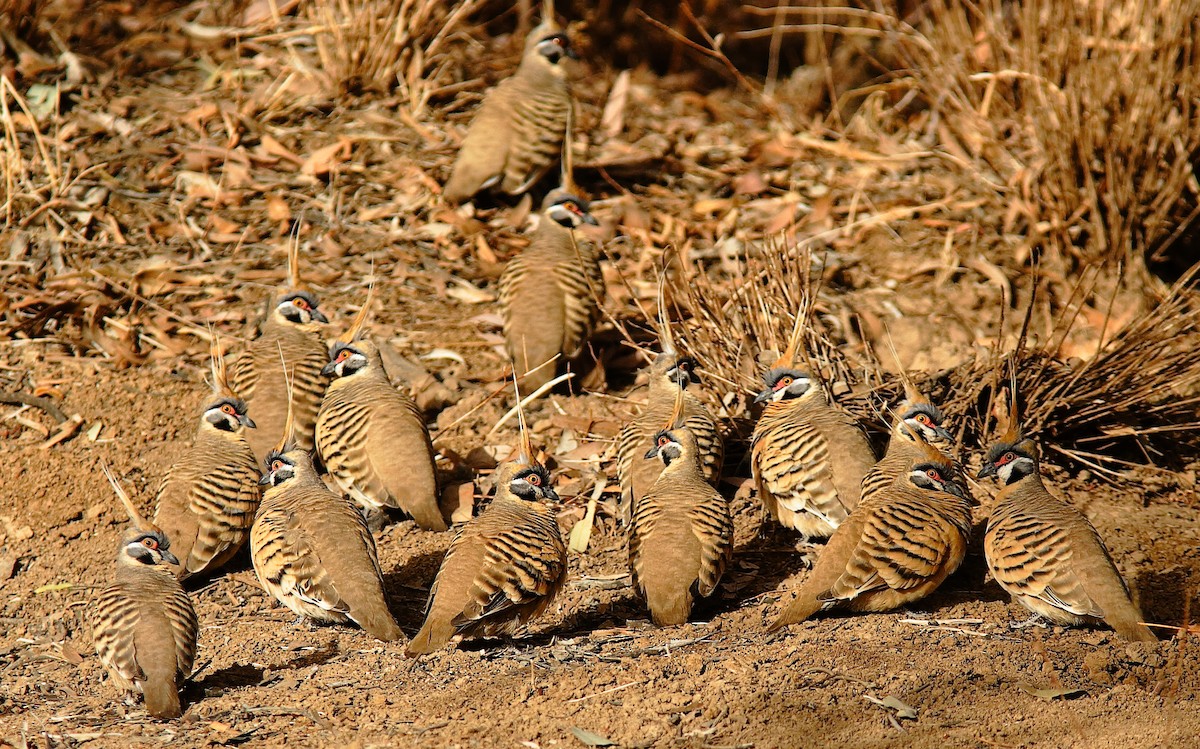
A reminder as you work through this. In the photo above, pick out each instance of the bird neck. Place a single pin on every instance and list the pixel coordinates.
(539, 71)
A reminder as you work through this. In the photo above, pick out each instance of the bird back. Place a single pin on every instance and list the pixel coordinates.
(372, 439)
(207, 501)
(145, 632)
(313, 551)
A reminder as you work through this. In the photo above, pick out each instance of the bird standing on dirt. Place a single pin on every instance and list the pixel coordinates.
(207, 501)
(681, 531)
(917, 418)
(808, 457)
(372, 438)
(549, 293)
(504, 567)
(1045, 553)
(894, 549)
(312, 549)
(291, 338)
(518, 131)
(145, 626)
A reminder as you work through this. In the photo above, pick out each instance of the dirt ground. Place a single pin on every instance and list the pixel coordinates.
(950, 672)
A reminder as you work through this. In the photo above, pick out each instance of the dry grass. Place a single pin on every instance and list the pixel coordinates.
(1080, 118)
(1133, 404)
(381, 45)
(1083, 115)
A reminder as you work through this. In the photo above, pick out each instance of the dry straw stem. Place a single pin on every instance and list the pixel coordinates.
(1084, 112)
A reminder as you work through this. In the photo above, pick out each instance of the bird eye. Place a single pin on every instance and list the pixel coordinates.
(301, 303)
(1008, 458)
(228, 409)
(534, 479)
(934, 474)
(924, 419)
(344, 354)
(149, 543)
(275, 466)
(663, 441)
(784, 382)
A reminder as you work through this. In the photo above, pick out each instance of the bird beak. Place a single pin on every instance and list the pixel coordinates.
(987, 470)
(764, 396)
(247, 422)
(318, 315)
(652, 452)
(941, 432)
(590, 219)
(168, 556)
(330, 369)
(265, 480)
(550, 494)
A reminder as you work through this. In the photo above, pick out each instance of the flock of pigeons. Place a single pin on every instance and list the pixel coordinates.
(291, 407)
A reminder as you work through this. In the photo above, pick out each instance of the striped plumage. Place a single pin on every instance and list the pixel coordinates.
(503, 568)
(517, 133)
(294, 329)
(372, 438)
(668, 373)
(549, 292)
(808, 456)
(916, 418)
(894, 549)
(680, 533)
(206, 502)
(145, 627)
(313, 552)
(1047, 555)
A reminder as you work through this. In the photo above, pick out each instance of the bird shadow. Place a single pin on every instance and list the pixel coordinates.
(241, 675)
(1170, 596)
(407, 588)
(761, 566)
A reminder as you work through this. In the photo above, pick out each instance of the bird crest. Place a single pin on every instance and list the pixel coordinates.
(288, 440)
(352, 333)
(220, 376)
(1008, 418)
(524, 446)
(787, 359)
(665, 339)
(135, 517)
(295, 282)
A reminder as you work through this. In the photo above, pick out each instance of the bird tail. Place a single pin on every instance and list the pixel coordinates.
(800, 609)
(1126, 620)
(428, 515)
(433, 636)
(669, 602)
(162, 696)
(382, 627)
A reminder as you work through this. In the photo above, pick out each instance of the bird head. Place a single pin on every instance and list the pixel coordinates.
(784, 383)
(228, 415)
(280, 468)
(921, 418)
(300, 308)
(1011, 461)
(531, 482)
(568, 210)
(145, 547)
(346, 359)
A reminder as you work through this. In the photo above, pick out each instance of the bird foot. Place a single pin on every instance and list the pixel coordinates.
(1033, 621)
